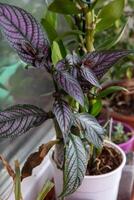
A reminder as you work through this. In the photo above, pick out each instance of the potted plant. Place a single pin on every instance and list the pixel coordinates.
(121, 134)
(80, 148)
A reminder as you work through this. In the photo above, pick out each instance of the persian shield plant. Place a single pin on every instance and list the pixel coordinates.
(72, 76)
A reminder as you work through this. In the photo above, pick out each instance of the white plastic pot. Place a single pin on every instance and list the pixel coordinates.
(100, 187)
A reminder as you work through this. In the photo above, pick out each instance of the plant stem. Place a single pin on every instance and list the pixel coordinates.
(89, 27)
(17, 189)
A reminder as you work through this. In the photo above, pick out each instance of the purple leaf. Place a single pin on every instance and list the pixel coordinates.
(92, 130)
(61, 65)
(24, 34)
(73, 59)
(101, 62)
(64, 117)
(75, 165)
(70, 62)
(89, 75)
(18, 119)
(70, 85)
(74, 71)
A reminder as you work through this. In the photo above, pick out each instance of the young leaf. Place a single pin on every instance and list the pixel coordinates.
(56, 52)
(64, 7)
(93, 132)
(61, 65)
(18, 119)
(109, 14)
(24, 34)
(70, 85)
(75, 165)
(63, 115)
(73, 59)
(69, 63)
(100, 62)
(90, 76)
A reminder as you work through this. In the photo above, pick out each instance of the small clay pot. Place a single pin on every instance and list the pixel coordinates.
(128, 119)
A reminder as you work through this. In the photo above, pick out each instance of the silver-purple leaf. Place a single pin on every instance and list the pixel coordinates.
(89, 75)
(92, 130)
(70, 62)
(101, 62)
(18, 119)
(75, 165)
(73, 59)
(69, 85)
(61, 65)
(24, 34)
(63, 115)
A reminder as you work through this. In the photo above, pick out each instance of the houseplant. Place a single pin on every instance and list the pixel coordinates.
(121, 134)
(78, 134)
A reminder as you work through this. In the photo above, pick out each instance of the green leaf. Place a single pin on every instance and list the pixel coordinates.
(51, 17)
(70, 22)
(108, 44)
(92, 130)
(51, 32)
(69, 33)
(111, 90)
(66, 7)
(49, 22)
(56, 53)
(75, 165)
(109, 14)
(96, 107)
(45, 190)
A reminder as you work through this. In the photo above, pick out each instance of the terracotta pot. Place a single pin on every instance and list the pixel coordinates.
(128, 119)
(98, 187)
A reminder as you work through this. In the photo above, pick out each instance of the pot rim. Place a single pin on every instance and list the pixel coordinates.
(120, 167)
(109, 143)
